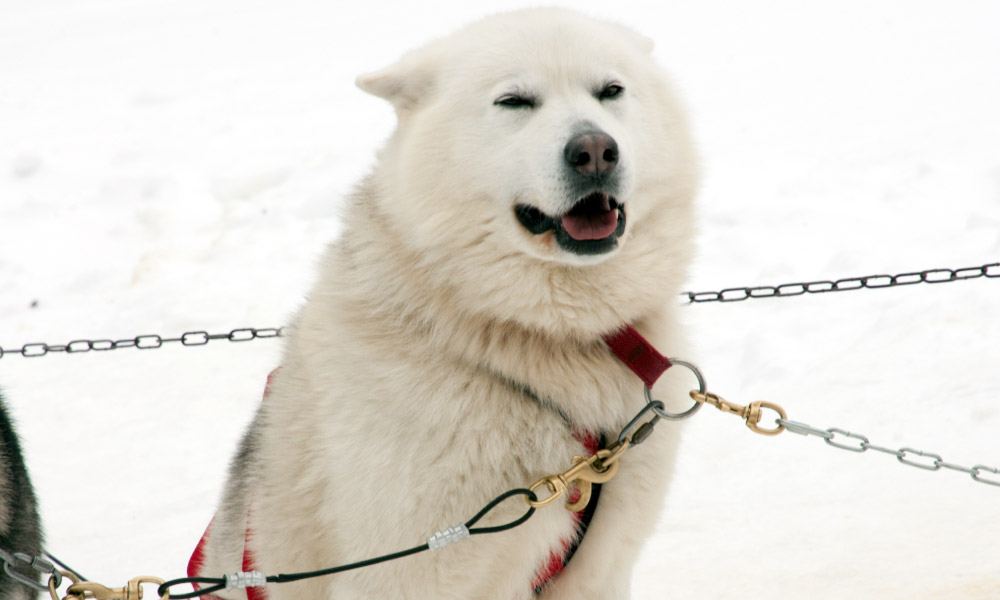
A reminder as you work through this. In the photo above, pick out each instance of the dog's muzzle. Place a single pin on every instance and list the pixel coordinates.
(592, 226)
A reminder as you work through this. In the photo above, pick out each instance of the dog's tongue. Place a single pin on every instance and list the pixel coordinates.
(591, 224)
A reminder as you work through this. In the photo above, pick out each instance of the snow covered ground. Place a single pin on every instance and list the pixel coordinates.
(168, 166)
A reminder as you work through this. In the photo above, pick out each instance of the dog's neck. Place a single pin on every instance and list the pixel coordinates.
(402, 294)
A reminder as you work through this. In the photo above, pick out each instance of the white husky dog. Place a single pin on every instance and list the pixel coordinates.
(535, 196)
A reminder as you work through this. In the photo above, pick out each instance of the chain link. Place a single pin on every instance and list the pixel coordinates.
(785, 290)
(840, 438)
(920, 459)
(143, 342)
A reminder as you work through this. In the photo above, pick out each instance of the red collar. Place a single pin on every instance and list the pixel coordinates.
(638, 354)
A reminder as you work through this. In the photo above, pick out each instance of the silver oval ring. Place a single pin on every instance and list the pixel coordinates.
(702, 388)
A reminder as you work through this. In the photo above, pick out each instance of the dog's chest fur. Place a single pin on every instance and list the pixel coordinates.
(395, 416)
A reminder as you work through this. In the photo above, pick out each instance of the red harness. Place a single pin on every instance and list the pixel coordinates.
(631, 348)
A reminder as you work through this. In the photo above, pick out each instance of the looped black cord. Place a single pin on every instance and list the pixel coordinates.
(530, 495)
(219, 583)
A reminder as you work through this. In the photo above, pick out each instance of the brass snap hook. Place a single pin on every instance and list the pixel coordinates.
(89, 590)
(751, 414)
(585, 472)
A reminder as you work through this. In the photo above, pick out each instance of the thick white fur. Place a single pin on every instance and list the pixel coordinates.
(400, 407)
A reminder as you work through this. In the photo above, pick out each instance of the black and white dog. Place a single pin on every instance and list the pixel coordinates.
(20, 530)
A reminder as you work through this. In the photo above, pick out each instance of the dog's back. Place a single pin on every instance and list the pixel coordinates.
(19, 526)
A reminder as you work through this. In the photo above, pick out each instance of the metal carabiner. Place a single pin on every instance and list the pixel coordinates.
(35, 563)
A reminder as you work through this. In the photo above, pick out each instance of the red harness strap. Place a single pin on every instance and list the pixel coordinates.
(631, 348)
(637, 354)
(558, 560)
(197, 560)
(648, 364)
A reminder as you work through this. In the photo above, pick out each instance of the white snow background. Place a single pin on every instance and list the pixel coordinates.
(168, 166)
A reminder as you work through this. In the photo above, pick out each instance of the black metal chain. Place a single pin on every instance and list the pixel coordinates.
(733, 294)
(847, 284)
(144, 342)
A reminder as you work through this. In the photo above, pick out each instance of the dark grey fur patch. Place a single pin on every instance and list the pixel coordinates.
(20, 529)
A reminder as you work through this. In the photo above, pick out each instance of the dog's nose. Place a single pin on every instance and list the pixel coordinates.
(592, 153)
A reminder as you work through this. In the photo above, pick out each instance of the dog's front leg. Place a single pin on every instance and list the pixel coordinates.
(628, 510)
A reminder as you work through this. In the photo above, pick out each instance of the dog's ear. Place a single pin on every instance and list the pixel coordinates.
(403, 83)
(643, 42)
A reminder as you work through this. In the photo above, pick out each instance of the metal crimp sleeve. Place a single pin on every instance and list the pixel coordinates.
(245, 579)
(448, 536)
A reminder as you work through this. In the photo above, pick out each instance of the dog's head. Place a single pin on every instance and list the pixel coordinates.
(539, 143)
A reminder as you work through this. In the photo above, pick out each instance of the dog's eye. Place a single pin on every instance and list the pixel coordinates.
(514, 101)
(610, 92)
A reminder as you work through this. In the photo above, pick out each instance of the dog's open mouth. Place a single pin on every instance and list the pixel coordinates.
(592, 226)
